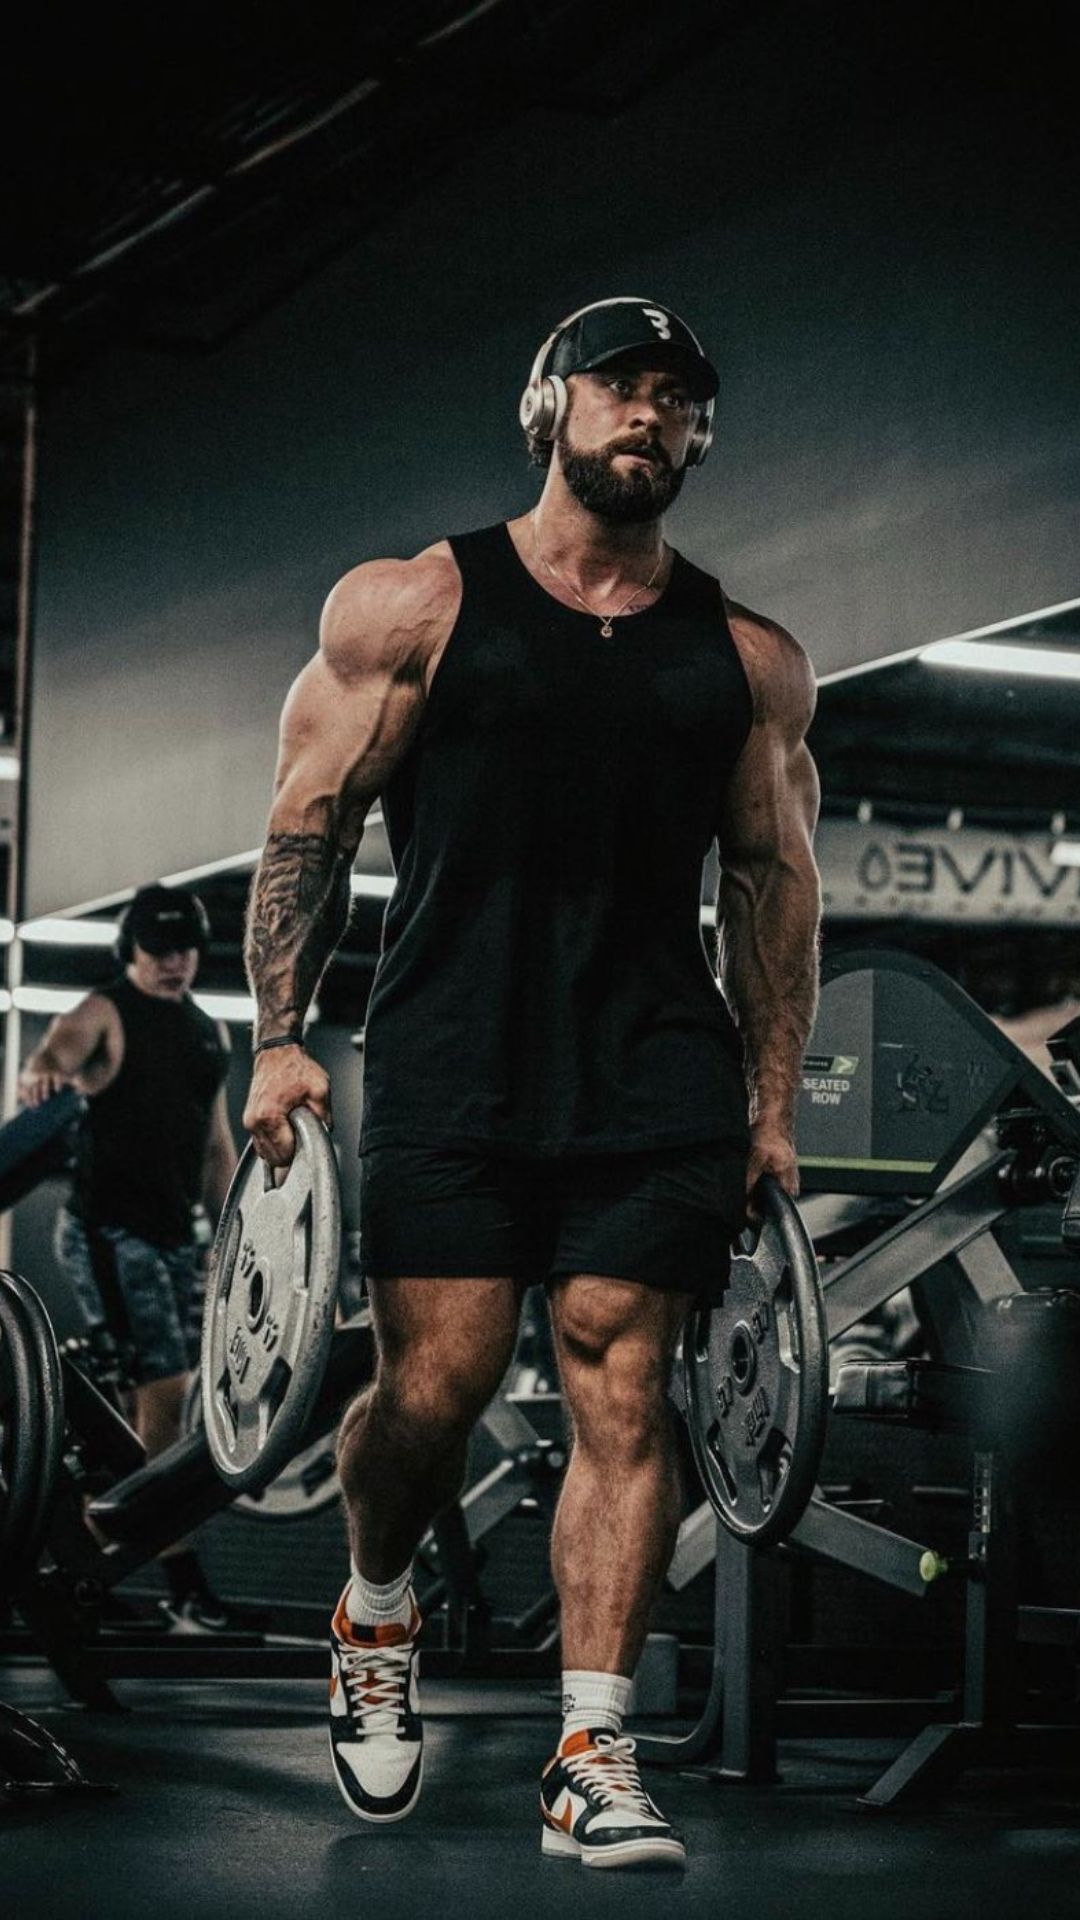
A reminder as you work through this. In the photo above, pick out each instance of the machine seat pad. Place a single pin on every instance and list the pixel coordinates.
(914, 1393)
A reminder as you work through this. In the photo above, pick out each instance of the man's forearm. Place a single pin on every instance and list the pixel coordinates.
(44, 1060)
(769, 973)
(58, 1053)
(298, 911)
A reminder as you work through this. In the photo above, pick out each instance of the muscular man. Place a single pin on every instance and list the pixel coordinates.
(156, 1140)
(560, 714)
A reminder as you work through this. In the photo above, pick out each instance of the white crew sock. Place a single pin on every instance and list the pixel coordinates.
(368, 1605)
(593, 1700)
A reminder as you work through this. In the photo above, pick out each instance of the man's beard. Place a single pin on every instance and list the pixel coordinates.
(642, 493)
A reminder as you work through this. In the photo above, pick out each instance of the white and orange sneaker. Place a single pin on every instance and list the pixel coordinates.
(595, 1809)
(376, 1734)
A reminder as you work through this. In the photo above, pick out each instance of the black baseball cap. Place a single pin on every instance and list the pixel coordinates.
(166, 920)
(628, 325)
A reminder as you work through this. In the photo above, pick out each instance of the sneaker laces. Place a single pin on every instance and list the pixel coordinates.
(374, 1679)
(609, 1769)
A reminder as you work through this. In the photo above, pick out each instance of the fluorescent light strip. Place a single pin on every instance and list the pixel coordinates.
(238, 1008)
(1035, 663)
(55, 932)
(48, 999)
(244, 862)
(1016, 624)
(9, 766)
(1065, 853)
(238, 862)
(372, 886)
(226, 1006)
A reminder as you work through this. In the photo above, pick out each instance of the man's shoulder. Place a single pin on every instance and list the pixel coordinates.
(384, 608)
(103, 1003)
(777, 667)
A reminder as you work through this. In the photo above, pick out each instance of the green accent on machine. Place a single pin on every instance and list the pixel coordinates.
(867, 1166)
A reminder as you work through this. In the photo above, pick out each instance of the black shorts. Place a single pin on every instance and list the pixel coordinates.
(664, 1218)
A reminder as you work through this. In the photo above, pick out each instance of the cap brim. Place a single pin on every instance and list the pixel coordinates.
(157, 945)
(701, 376)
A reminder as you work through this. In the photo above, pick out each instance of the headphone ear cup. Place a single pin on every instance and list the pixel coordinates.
(557, 402)
(701, 438)
(203, 919)
(543, 407)
(529, 407)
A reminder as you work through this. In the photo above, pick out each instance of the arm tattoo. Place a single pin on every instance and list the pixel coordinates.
(297, 913)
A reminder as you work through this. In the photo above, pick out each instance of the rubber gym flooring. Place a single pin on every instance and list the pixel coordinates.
(226, 1807)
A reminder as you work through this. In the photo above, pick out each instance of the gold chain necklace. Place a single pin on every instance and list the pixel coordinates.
(605, 619)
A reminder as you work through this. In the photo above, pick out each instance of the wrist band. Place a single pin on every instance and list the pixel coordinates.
(279, 1040)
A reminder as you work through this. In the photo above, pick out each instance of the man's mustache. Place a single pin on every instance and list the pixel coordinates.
(646, 447)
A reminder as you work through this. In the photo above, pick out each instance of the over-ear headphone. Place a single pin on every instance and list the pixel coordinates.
(542, 408)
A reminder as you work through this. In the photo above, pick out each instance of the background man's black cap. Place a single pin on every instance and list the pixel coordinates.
(166, 920)
(633, 326)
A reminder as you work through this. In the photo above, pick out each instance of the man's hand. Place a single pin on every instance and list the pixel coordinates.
(772, 1150)
(282, 1079)
(38, 1084)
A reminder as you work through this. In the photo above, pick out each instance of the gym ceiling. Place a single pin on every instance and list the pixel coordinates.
(179, 171)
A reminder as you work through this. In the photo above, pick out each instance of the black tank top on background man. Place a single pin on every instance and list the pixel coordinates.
(544, 986)
(143, 1141)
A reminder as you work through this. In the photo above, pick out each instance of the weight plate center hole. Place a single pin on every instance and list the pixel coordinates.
(256, 1302)
(743, 1358)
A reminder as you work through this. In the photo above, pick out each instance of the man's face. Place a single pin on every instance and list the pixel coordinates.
(165, 975)
(622, 445)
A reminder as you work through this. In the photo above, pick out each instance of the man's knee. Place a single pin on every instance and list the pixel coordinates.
(430, 1403)
(615, 1351)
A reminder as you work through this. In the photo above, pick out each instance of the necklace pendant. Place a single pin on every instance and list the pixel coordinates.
(605, 629)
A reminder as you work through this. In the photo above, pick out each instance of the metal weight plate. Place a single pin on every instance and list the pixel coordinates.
(269, 1313)
(31, 1422)
(755, 1378)
(46, 1365)
(21, 1436)
(306, 1484)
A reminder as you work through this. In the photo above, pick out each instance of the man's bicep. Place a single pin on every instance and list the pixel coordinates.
(74, 1038)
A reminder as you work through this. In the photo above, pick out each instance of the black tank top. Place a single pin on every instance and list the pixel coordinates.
(143, 1141)
(543, 986)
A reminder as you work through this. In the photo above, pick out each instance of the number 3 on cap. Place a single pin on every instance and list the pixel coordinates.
(659, 320)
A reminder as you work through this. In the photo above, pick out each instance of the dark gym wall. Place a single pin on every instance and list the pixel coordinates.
(876, 239)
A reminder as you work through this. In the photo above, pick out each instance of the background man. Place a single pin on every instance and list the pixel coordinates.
(156, 1139)
(560, 715)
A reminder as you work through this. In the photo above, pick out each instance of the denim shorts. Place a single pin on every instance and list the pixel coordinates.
(664, 1218)
(150, 1298)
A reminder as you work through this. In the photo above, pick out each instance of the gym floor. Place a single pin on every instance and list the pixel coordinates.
(225, 1805)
